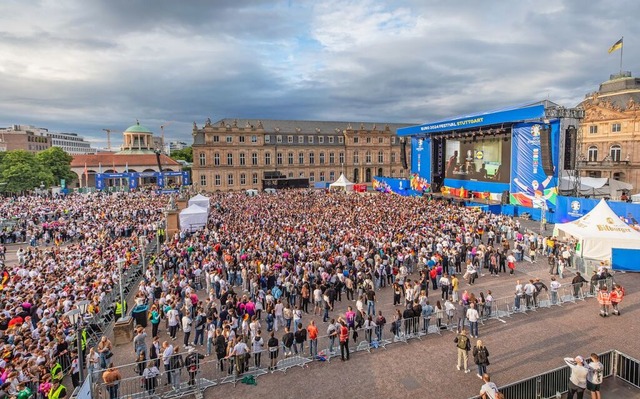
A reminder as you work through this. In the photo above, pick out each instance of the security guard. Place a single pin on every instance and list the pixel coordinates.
(56, 371)
(121, 309)
(57, 391)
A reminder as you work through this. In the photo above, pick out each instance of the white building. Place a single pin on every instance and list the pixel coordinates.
(71, 143)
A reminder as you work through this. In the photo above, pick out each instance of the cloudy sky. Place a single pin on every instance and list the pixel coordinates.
(81, 66)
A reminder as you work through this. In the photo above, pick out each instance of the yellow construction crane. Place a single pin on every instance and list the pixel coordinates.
(166, 124)
(108, 138)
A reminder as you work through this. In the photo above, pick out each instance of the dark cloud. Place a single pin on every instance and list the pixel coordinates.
(84, 66)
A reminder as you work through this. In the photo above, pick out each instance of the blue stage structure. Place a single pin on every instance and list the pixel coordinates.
(133, 180)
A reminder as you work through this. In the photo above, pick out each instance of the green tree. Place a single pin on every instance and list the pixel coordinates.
(20, 171)
(185, 154)
(58, 162)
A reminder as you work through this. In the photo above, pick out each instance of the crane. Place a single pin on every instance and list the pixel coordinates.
(166, 124)
(108, 138)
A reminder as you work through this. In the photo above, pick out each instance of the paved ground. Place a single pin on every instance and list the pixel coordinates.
(521, 346)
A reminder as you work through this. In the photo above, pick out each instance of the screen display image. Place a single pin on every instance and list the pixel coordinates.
(487, 159)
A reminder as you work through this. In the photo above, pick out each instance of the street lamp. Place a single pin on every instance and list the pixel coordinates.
(144, 265)
(120, 262)
(75, 317)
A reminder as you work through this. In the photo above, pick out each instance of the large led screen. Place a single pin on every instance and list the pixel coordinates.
(487, 159)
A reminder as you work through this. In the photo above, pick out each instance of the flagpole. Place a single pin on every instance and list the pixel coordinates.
(621, 50)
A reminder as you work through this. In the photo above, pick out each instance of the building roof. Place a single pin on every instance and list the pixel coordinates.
(138, 128)
(619, 93)
(107, 159)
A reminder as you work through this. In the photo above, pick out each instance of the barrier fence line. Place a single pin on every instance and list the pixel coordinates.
(213, 371)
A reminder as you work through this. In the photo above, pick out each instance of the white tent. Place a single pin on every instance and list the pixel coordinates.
(635, 198)
(598, 231)
(595, 187)
(201, 201)
(193, 218)
(342, 184)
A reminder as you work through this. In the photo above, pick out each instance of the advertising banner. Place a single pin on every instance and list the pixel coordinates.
(421, 157)
(530, 185)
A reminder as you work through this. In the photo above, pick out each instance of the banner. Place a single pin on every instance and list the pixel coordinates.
(421, 157)
(530, 186)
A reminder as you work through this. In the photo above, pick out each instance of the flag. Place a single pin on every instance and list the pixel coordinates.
(126, 168)
(100, 167)
(113, 163)
(616, 46)
(86, 171)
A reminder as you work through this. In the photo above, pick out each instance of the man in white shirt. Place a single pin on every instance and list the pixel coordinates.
(554, 286)
(529, 289)
(174, 319)
(519, 295)
(489, 389)
(186, 328)
(473, 316)
(578, 377)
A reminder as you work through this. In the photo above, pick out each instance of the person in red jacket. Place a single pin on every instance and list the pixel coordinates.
(344, 340)
(604, 299)
(616, 297)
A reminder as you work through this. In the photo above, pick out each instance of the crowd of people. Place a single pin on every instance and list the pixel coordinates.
(243, 284)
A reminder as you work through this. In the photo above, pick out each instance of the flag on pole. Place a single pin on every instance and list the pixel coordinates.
(616, 46)
(126, 168)
(113, 163)
(100, 167)
(86, 172)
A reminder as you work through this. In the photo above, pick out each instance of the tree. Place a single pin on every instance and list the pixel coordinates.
(58, 162)
(22, 172)
(185, 154)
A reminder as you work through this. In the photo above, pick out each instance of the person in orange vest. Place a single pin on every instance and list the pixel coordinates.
(604, 299)
(616, 297)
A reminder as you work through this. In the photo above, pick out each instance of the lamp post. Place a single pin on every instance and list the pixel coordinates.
(75, 317)
(144, 264)
(120, 262)
(543, 217)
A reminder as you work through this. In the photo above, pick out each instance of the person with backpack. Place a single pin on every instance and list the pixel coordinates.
(464, 345)
(192, 364)
(200, 323)
(489, 389)
(481, 358)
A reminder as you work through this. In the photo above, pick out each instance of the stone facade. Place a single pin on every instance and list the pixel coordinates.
(232, 155)
(610, 131)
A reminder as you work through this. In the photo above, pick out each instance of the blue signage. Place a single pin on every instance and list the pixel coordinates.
(512, 115)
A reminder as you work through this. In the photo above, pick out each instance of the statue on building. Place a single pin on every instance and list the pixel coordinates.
(361, 126)
(235, 123)
(195, 126)
(208, 122)
(260, 125)
(349, 127)
(172, 203)
(375, 127)
(222, 123)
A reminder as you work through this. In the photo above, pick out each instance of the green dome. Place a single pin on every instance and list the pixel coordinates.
(138, 128)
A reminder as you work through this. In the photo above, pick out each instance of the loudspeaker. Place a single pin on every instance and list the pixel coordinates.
(403, 154)
(505, 198)
(570, 138)
(546, 157)
(439, 161)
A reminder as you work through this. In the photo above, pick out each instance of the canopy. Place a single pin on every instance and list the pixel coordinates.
(635, 198)
(596, 187)
(252, 192)
(193, 218)
(201, 201)
(342, 183)
(599, 231)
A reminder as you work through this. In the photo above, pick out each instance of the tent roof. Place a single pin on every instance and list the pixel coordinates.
(341, 182)
(199, 197)
(193, 208)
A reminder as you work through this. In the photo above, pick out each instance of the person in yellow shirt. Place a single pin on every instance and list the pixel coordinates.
(455, 287)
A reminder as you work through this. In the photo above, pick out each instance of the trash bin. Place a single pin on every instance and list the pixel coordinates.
(140, 314)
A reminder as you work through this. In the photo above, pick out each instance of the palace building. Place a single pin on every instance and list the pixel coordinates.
(237, 155)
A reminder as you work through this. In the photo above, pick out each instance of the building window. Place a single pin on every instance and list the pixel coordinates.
(254, 139)
(254, 178)
(321, 139)
(380, 140)
(267, 139)
(341, 139)
(310, 139)
(241, 138)
(290, 139)
(380, 157)
(312, 158)
(230, 159)
(593, 154)
(267, 158)
(242, 161)
(216, 139)
(229, 139)
(203, 159)
(217, 180)
(341, 158)
(393, 140)
(332, 158)
(279, 158)
(254, 159)
(322, 158)
(393, 157)
(616, 128)
(368, 140)
(216, 159)
(203, 180)
(278, 139)
(321, 176)
(290, 158)
(312, 177)
(243, 179)
(300, 139)
(615, 152)
(230, 179)
(331, 139)
(356, 158)
(332, 176)
(593, 129)
(355, 140)
(368, 156)
(290, 175)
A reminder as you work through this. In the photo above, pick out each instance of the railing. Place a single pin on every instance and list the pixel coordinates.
(553, 383)
(213, 372)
